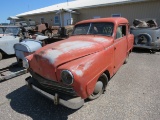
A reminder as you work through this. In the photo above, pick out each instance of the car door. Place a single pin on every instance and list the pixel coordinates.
(120, 46)
(7, 43)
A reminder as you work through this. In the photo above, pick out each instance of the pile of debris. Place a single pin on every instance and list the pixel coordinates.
(145, 23)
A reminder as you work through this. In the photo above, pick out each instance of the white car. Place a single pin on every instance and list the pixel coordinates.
(9, 35)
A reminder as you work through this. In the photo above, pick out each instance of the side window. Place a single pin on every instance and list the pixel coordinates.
(56, 20)
(121, 31)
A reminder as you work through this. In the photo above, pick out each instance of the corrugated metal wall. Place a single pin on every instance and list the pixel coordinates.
(149, 9)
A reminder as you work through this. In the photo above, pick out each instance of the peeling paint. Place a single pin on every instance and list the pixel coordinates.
(74, 45)
(79, 70)
(99, 39)
(79, 73)
(87, 65)
(52, 55)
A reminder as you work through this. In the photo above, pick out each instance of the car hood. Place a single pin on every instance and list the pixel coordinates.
(72, 48)
(46, 60)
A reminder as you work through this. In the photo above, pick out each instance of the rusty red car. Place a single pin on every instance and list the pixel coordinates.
(72, 70)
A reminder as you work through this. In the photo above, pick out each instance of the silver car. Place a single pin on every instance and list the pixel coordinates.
(9, 35)
(147, 34)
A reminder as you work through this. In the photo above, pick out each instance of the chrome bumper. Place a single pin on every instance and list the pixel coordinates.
(73, 103)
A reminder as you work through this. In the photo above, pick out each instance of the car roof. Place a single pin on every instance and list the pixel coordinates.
(115, 20)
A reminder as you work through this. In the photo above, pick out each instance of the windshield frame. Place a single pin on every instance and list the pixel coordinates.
(12, 30)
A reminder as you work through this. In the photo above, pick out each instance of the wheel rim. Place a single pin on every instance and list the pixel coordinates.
(98, 88)
(142, 40)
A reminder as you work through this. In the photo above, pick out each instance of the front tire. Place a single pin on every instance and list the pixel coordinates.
(99, 87)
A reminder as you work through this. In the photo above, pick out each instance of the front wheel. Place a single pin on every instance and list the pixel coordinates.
(99, 87)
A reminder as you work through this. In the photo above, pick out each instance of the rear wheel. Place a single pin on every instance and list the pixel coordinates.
(143, 39)
(127, 59)
(99, 87)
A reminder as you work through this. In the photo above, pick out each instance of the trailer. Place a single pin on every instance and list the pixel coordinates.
(11, 71)
(22, 49)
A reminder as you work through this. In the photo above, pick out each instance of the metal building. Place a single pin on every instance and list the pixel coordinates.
(71, 12)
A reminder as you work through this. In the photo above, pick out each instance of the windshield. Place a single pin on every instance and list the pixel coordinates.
(101, 28)
(12, 30)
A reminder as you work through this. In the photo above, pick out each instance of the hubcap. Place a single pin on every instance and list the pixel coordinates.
(98, 87)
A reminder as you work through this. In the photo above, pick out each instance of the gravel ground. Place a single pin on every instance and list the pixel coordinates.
(133, 93)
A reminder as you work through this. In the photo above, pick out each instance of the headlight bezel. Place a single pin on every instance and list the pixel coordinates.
(63, 78)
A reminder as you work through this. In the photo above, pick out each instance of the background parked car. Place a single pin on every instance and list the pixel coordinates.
(10, 35)
(147, 34)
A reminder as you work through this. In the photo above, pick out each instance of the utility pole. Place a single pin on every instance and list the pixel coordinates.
(28, 7)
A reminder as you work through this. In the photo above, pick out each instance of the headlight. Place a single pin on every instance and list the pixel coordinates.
(25, 63)
(67, 77)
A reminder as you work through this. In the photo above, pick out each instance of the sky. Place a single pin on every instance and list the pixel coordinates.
(13, 7)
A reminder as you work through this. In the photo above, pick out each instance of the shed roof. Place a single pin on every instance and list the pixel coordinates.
(76, 4)
(12, 18)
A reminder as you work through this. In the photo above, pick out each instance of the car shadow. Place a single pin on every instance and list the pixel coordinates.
(141, 50)
(30, 103)
(8, 56)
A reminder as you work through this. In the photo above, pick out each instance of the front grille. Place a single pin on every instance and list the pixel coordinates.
(53, 85)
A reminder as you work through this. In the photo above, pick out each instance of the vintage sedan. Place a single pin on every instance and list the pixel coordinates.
(80, 67)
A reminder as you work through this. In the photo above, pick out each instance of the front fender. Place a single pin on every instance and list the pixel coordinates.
(87, 70)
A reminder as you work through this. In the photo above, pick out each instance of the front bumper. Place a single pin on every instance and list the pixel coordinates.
(70, 102)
